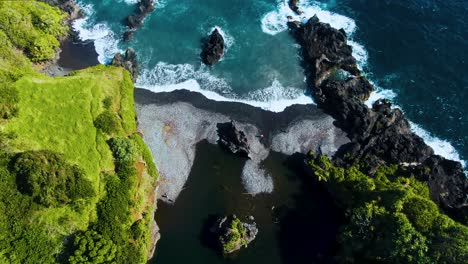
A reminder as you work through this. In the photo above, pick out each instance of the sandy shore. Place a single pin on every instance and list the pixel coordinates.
(173, 123)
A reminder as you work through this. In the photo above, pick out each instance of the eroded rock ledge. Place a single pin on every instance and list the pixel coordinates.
(135, 21)
(380, 135)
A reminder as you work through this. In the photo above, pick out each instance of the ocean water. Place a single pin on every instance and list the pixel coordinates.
(415, 52)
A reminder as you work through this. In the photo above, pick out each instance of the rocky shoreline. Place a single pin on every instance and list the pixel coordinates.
(380, 135)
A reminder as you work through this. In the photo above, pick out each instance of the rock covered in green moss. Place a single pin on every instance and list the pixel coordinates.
(233, 234)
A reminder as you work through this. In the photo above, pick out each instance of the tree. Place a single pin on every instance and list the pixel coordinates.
(92, 248)
(49, 179)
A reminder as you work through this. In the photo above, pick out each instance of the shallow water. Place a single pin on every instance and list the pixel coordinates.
(296, 222)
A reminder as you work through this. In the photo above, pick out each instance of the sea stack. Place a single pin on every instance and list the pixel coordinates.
(135, 21)
(213, 49)
(232, 139)
(232, 234)
(128, 61)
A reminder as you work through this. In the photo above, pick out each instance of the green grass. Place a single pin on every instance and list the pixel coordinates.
(59, 115)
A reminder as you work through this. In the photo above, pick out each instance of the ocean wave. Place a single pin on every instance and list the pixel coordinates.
(169, 77)
(441, 147)
(105, 42)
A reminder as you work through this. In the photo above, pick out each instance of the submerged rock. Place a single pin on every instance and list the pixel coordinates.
(135, 21)
(232, 234)
(380, 135)
(232, 139)
(128, 61)
(213, 49)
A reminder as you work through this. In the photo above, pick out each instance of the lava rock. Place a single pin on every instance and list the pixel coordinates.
(128, 61)
(68, 6)
(232, 139)
(213, 49)
(232, 234)
(128, 35)
(293, 4)
(325, 49)
(135, 21)
(380, 135)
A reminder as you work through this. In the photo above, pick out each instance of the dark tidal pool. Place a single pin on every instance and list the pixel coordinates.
(297, 223)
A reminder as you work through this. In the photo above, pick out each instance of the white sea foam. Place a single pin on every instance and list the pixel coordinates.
(105, 42)
(169, 77)
(441, 147)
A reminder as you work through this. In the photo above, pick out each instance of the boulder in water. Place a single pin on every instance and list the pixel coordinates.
(232, 234)
(232, 139)
(213, 49)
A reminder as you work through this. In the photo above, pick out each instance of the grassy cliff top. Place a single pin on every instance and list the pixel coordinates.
(59, 136)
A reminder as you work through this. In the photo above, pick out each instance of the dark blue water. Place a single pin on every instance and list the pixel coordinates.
(419, 49)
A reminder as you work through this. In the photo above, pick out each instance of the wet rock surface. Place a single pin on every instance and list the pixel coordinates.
(232, 139)
(127, 61)
(380, 135)
(213, 48)
(135, 21)
(293, 4)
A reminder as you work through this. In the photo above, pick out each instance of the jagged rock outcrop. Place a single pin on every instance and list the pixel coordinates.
(213, 49)
(293, 4)
(233, 139)
(232, 234)
(380, 135)
(325, 49)
(135, 21)
(128, 61)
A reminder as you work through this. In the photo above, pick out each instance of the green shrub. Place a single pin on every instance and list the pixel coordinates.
(49, 180)
(33, 27)
(108, 122)
(91, 247)
(391, 218)
(107, 102)
(123, 149)
(8, 101)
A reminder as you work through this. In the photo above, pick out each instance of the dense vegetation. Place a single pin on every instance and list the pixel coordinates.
(390, 218)
(76, 181)
(49, 180)
(33, 27)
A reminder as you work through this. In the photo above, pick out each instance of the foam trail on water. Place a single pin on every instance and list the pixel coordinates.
(441, 147)
(169, 77)
(105, 42)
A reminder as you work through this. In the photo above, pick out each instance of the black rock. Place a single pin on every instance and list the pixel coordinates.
(128, 35)
(128, 61)
(213, 49)
(380, 135)
(293, 5)
(325, 49)
(144, 7)
(232, 139)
